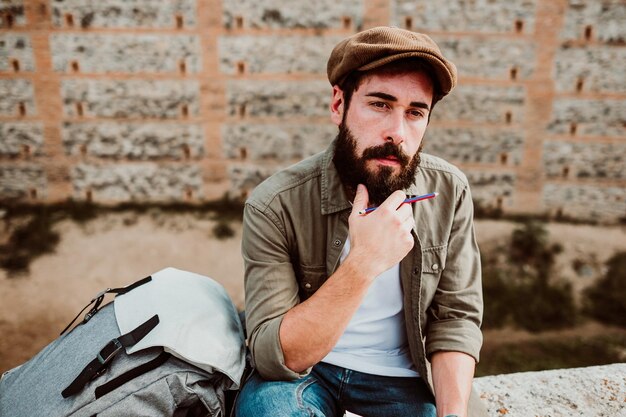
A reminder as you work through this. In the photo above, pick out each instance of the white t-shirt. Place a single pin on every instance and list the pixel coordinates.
(375, 340)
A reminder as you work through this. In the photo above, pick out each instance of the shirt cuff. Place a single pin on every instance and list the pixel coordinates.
(455, 335)
(267, 354)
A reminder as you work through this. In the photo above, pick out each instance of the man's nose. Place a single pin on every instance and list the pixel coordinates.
(396, 128)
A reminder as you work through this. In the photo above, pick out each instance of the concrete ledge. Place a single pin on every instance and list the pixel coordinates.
(592, 391)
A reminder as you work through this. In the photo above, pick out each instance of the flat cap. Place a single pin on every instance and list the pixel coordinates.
(381, 45)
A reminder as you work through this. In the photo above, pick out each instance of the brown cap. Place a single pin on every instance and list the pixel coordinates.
(378, 46)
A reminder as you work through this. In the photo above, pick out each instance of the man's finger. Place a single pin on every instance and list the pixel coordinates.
(405, 211)
(394, 201)
(360, 199)
(408, 224)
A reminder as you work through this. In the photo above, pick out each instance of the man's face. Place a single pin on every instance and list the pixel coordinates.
(380, 135)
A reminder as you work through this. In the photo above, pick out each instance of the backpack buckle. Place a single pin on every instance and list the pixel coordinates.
(109, 351)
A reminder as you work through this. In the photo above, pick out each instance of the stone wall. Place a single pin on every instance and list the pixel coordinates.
(584, 160)
(103, 100)
(21, 138)
(123, 99)
(130, 14)
(588, 117)
(490, 58)
(17, 97)
(475, 145)
(275, 14)
(16, 53)
(482, 104)
(492, 189)
(465, 16)
(22, 181)
(125, 53)
(282, 142)
(602, 70)
(292, 99)
(584, 392)
(136, 182)
(584, 201)
(595, 19)
(244, 178)
(12, 14)
(143, 141)
(294, 54)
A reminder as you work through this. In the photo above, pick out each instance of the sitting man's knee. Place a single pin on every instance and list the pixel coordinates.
(282, 398)
(259, 398)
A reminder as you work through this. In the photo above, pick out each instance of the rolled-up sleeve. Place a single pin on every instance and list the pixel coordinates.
(271, 289)
(455, 313)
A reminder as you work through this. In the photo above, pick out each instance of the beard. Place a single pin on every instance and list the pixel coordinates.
(380, 182)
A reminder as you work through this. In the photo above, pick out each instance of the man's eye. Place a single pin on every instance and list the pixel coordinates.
(379, 104)
(416, 113)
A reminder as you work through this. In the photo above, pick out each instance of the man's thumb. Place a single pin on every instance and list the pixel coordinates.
(360, 199)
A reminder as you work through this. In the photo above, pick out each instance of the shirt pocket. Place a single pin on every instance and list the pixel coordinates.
(434, 260)
(310, 279)
(433, 264)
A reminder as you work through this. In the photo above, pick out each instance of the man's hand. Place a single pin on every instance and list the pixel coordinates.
(380, 239)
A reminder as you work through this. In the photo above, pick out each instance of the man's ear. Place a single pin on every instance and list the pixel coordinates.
(337, 106)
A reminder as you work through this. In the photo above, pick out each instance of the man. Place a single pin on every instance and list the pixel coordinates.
(378, 314)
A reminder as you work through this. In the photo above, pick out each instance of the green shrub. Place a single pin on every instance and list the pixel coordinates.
(528, 242)
(519, 285)
(222, 230)
(606, 299)
(498, 295)
(530, 248)
(482, 211)
(544, 307)
(551, 353)
(28, 241)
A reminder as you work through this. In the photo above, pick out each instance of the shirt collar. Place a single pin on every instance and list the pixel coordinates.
(334, 197)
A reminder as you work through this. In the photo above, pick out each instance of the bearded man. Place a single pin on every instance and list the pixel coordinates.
(378, 314)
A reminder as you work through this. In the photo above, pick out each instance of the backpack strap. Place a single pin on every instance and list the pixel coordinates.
(108, 352)
(100, 297)
(131, 374)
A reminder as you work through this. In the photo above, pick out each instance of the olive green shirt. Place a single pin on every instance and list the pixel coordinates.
(294, 228)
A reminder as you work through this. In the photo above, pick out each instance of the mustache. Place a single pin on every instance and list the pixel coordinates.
(386, 150)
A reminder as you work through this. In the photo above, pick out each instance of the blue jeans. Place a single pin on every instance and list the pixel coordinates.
(330, 390)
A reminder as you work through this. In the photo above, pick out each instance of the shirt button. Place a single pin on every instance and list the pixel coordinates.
(307, 286)
(435, 267)
(336, 243)
(416, 271)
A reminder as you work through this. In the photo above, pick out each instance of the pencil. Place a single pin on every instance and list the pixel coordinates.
(407, 201)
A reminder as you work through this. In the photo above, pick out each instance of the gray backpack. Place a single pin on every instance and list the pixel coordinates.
(90, 372)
